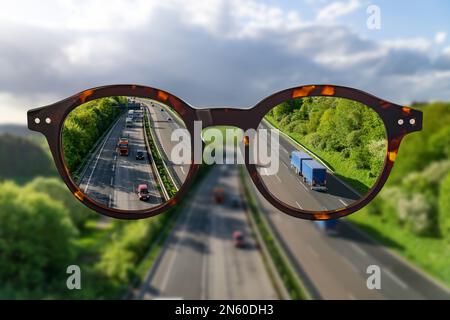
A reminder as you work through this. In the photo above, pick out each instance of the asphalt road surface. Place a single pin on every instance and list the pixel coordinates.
(199, 260)
(163, 128)
(334, 265)
(111, 179)
(299, 193)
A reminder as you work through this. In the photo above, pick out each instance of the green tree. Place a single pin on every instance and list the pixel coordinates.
(444, 207)
(57, 190)
(36, 239)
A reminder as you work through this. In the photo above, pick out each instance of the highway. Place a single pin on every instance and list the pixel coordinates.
(111, 179)
(334, 266)
(199, 260)
(163, 128)
(300, 195)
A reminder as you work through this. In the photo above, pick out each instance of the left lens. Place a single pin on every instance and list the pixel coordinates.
(325, 153)
(126, 153)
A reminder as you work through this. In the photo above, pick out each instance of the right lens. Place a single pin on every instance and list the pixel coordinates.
(126, 153)
(326, 152)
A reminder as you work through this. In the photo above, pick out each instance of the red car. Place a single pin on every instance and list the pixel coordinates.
(238, 239)
(143, 193)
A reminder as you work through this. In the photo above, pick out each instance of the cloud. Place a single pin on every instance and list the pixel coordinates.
(210, 54)
(337, 9)
(440, 37)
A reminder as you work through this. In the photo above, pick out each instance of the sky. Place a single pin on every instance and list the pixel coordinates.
(221, 52)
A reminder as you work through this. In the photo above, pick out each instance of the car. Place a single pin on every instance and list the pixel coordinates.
(140, 155)
(169, 119)
(235, 203)
(162, 109)
(142, 192)
(238, 239)
(219, 195)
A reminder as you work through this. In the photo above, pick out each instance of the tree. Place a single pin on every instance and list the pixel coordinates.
(444, 207)
(36, 239)
(57, 190)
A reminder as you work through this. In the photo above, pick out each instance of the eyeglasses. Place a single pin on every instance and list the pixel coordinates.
(315, 152)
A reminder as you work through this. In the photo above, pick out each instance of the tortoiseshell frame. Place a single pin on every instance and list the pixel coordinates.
(245, 119)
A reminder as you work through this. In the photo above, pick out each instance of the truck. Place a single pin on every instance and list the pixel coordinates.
(297, 157)
(315, 175)
(328, 226)
(123, 148)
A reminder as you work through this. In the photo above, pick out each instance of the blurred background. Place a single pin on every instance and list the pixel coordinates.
(225, 53)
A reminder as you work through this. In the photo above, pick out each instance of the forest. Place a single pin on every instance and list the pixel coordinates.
(348, 136)
(84, 126)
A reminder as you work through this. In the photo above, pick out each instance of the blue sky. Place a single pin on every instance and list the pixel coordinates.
(220, 52)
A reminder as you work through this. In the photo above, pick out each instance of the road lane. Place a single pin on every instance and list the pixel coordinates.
(300, 194)
(129, 173)
(111, 179)
(199, 260)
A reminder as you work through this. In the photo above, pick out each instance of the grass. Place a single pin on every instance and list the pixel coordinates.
(288, 277)
(428, 253)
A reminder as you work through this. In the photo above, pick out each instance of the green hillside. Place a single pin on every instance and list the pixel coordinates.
(412, 213)
(22, 158)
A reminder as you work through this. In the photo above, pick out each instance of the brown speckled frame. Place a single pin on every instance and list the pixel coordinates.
(245, 119)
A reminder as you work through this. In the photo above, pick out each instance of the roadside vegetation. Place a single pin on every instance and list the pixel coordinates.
(412, 213)
(85, 125)
(348, 136)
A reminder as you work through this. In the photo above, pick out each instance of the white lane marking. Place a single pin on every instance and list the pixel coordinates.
(343, 202)
(115, 157)
(182, 170)
(360, 251)
(285, 151)
(110, 201)
(351, 296)
(112, 180)
(113, 167)
(298, 204)
(304, 186)
(96, 160)
(395, 278)
(284, 164)
(278, 178)
(175, 250)
(313, 252)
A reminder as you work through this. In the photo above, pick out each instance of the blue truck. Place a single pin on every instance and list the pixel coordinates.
(315, 175)
(297, 157)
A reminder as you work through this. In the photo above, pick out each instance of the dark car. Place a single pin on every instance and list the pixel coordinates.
(143, 193)
(162, 109)
(169, 119)
(238, 239)
(140, 155)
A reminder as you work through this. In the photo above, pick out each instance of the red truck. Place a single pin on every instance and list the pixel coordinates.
(123, 148)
